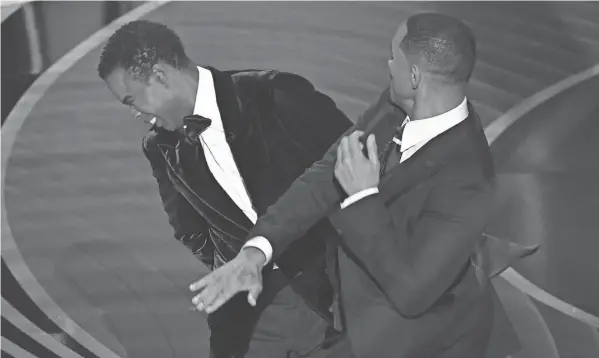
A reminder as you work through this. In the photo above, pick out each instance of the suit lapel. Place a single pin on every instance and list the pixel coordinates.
(202, 191)
(381, 120)
(229, 105)
(426, 161)
(405, 175)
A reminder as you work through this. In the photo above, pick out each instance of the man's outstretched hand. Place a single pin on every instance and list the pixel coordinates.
(243, 273)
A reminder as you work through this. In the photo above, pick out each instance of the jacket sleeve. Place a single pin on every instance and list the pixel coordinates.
(190, 228)
(414, 266)
(316, 193)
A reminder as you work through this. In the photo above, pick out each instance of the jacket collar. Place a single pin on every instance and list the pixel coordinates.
(197, 184)
(423, 130)
(427, 160)
(228, 102)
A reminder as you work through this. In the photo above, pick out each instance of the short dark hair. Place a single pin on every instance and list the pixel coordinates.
(444, 44)
(138, 45)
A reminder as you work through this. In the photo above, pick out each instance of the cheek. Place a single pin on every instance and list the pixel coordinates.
(401, 81)
(155, 98)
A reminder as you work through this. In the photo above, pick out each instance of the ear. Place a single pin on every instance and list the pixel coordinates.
(159, 73)
(415, 76)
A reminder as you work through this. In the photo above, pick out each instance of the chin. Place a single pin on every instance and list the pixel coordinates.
(404, 103)
(394, 98)
(165, 125)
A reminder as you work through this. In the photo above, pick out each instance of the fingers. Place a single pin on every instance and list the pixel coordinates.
(252, 300)
(340, 152)
(201, 283)
(222, 284)
(345, 154)
(207, 297)
(225, 295)
(354, 149)
(211, 288)
(372, 150)
(205, 286)
(214, 294)
(217, 302)
(349, 147)
(254, 292)
(212, 298)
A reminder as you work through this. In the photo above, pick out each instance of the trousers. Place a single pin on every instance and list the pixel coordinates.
(281, 325)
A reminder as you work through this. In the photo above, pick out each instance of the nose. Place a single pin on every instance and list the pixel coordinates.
(135, 113)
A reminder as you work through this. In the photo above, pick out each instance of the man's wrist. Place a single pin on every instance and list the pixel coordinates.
(359, 196)
(262, 244)
(254, 255)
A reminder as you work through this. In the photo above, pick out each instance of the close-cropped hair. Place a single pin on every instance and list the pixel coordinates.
(139, 45)
(442, 44)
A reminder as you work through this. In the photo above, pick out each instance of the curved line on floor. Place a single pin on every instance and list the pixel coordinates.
(501, 124)
(10, 7)
(26, 103)
(524, 316)
(496, 129)
(14, 350)
(10, 130)
(515, 279)
(23, 324)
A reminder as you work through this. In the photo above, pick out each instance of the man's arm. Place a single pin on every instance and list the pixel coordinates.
(189, 227)
(311, 197)
(415, 270)
(316, 193)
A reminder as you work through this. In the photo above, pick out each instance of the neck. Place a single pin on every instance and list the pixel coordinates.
(433, 102)
(186, 89)
(189, 88)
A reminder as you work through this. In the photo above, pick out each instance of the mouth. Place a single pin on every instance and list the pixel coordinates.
(152, 123)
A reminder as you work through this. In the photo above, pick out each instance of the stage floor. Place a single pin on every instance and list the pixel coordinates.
(84, 210)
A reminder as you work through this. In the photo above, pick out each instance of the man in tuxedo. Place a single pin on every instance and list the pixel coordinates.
(223, 147)
(410, 203)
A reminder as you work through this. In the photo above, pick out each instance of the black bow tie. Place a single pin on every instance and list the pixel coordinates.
(193, 126)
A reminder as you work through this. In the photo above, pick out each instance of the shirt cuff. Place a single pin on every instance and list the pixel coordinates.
(358, 196)
(261, 244)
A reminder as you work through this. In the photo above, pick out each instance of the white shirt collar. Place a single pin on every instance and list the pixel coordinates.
(426, 129)
(206, 104)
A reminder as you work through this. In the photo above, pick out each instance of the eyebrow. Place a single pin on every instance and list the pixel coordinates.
(127, 100)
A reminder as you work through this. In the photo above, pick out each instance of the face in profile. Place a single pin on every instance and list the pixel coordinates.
(147, 99)
(400, 70)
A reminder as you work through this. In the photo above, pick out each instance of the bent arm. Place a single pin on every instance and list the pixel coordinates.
(316, 193)
(414, 271)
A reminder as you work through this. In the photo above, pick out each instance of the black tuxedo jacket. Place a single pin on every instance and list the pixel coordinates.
(406, 280)
(277, 124)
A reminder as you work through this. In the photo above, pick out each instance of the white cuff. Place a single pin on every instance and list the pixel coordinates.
(359, 196)
(261, 244)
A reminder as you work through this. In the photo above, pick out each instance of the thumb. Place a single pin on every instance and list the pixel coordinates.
(253, 294)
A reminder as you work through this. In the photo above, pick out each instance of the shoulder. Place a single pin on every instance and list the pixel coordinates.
(272, 79)
(298, 93)
(287, 81)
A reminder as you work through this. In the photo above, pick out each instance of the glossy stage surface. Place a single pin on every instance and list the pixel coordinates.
(550, 189)
(88, 239)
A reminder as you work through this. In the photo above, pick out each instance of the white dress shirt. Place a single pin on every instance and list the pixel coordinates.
(217, 151)
(415, 135)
